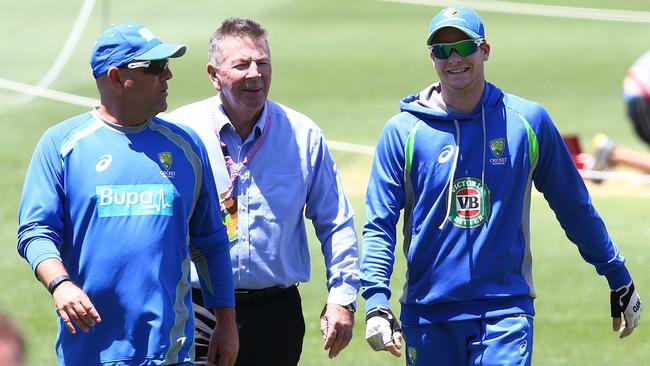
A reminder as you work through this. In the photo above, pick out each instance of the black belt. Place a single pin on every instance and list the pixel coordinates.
(263, 293)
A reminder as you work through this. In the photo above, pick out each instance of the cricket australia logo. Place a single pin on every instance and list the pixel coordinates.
(470, 205)
(496, 148)
(166, 160)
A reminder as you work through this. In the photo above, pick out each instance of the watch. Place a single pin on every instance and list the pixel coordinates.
(350, 307)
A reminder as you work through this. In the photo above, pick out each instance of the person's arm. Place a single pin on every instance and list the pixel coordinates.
(210, 253)
(209, 245)
(385, 198)
(556, 176)
(40, 218)
(224, 340)
(636, 159)
(332, 216)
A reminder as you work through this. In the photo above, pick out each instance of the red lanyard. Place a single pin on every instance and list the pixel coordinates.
(235, 168)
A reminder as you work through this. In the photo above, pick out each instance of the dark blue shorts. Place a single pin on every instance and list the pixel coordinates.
(496, 341)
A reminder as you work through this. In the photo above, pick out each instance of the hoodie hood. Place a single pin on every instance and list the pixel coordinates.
(428, 104)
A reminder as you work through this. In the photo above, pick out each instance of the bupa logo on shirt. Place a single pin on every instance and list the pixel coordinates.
(470, 205)
(135, 200)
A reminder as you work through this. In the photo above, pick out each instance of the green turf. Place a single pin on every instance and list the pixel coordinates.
(346, 64)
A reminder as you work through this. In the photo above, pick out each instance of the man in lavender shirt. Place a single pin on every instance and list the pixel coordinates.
(272, 168)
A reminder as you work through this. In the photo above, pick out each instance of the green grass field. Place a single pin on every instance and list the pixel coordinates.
(346, 64)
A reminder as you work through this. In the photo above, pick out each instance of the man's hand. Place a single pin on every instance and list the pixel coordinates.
(336, 324)
(625, 300)
(74, 306)
(383, 332)
(224, 341)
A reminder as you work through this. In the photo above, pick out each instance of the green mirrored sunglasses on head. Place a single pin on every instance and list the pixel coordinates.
(463, 48)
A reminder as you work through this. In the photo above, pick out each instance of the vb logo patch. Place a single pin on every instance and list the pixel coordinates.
(470, 205)
(497, 147)
(412, 356)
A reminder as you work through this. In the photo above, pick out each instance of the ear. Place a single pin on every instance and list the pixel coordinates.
(485, 47)
(214, 77)
(433, 62)
(115, 78)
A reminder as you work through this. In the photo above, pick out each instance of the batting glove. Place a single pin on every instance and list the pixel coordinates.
(625, 300)
(381, 324)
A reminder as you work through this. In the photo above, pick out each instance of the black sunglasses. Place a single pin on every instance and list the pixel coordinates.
(155, 67)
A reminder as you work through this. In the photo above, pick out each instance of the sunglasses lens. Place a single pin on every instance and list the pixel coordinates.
(463, 48)
(157, 67)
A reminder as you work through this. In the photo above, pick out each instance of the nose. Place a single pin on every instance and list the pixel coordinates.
(166, 74)
(454, 56)
(253, 71)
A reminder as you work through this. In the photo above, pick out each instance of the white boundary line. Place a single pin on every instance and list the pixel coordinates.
(631, 16)
(37, 91)
(334, 145)
(66, 51)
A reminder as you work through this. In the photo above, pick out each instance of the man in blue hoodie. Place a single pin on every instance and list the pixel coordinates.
(460, 160)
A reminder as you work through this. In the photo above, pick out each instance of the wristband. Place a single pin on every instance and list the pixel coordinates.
(56, 282)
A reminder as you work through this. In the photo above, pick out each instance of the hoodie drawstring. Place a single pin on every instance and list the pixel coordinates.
(451, 175)
(484, 148)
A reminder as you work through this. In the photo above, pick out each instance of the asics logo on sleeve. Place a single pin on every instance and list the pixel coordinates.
(446, 154)
(135, 200)
(104, 162)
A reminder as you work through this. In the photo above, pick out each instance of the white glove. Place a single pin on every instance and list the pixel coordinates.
(381, 325)
(625, 300)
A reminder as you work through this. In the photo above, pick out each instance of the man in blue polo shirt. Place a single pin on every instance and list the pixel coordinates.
(115, 204)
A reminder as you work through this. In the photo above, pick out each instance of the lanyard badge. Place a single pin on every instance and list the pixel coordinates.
(228, 198)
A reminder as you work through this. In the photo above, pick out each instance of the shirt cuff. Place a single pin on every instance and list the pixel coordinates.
(345, 294)
(39, 250)
(618, 278)
(377, 299)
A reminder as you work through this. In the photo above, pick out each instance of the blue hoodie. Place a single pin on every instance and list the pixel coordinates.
(464, 182)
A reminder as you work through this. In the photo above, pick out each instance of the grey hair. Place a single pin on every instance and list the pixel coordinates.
(235, 28)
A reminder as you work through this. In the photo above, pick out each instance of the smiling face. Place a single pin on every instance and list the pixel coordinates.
(243, 77)
(460, 75)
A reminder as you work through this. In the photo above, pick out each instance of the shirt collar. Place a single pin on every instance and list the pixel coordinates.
(222, 119)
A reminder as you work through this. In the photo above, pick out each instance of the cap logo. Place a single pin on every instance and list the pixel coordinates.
(146, 34)
(450, 12)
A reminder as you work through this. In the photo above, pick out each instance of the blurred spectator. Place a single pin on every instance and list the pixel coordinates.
(12, 345)
(636, 92)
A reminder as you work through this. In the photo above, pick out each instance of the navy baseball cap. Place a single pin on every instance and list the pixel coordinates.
(123, 43)
(464, 19)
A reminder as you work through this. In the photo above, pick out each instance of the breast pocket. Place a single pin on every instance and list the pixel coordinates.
(282, 197)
